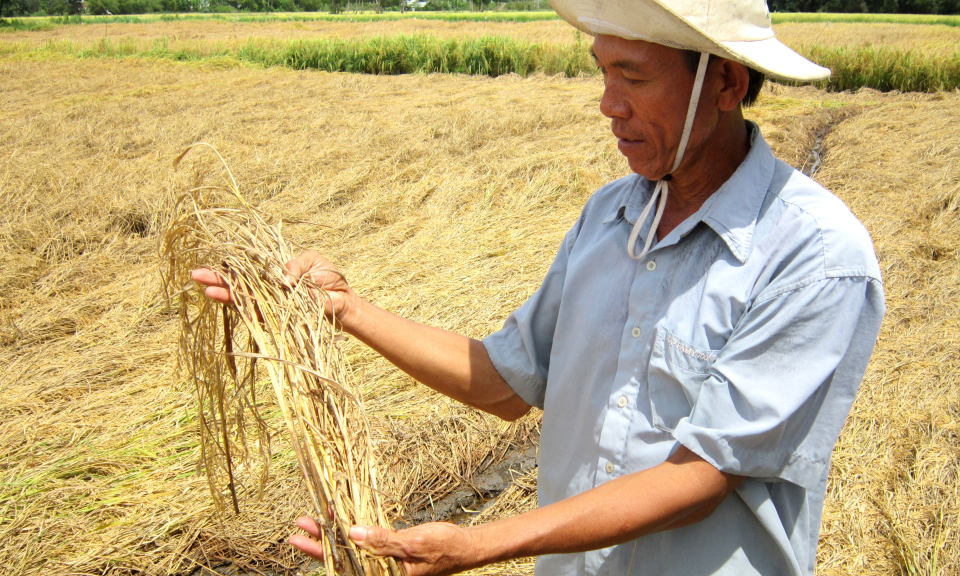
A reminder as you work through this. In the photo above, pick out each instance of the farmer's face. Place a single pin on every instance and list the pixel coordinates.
(646, 93)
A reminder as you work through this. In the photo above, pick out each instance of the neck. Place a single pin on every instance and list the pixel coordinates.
(705, 167)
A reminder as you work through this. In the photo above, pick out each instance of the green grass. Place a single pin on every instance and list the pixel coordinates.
(886, 69)
(883, 69)
(853, 68)
(488, 55)
(29, 24)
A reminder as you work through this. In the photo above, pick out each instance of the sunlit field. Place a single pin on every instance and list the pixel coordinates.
(443, 197)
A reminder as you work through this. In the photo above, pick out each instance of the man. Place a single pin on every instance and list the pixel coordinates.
(696, 344)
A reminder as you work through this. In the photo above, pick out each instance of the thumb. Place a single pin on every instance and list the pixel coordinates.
(378, 541)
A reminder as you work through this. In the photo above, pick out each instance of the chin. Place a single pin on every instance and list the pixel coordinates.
(645, 170)
(649, 168)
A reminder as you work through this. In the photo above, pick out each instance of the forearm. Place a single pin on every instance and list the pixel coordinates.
(445, 361)
(681, 491)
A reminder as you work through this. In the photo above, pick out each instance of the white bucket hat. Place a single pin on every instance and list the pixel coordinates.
(739, 30)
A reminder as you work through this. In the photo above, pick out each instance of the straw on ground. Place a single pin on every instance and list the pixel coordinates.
(446, 198)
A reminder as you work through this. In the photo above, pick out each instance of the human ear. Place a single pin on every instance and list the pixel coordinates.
(735, 79)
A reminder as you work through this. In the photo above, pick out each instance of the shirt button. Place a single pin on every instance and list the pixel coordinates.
(636, 332)
(651, 265)
(622, 401)
(609, 468)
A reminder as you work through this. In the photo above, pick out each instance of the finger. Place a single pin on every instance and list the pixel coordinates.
(309, 525)
(301, 265)
(289, 279)
(294, 268)
(218, 294)
(307, 545)
(208, 277)
(322, 276)
(378, 541)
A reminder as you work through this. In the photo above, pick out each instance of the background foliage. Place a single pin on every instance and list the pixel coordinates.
(867, 6)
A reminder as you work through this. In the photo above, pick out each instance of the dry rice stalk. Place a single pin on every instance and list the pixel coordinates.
(286, 329)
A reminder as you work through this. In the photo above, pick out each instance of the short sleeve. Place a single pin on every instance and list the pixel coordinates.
(520, 351)
(780, 389)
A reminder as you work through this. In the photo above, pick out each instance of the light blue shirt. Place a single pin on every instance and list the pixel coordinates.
(743, 335)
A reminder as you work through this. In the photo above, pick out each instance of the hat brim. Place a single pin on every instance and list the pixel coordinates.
(776, 60)
(648, 20)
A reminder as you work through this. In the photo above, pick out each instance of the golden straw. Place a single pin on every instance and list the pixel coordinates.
(285, 336)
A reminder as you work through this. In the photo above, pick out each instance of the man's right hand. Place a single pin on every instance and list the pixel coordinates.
(447, 362)
(310, 265)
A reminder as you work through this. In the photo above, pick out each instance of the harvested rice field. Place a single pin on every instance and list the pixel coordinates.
(442, 198)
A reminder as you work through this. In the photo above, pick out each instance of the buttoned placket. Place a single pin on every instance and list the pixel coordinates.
(622, 404)
(629, 387)
(624, 394)
(629, 383)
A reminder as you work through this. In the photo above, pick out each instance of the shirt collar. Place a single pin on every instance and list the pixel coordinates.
(731, 211)
(631, 201)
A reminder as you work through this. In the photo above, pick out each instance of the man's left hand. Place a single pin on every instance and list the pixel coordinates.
(433, 549)
(681, 491)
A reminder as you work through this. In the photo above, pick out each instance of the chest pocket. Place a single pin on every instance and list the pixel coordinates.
(677, 371)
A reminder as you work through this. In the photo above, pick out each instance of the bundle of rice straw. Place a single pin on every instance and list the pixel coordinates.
(285, 336)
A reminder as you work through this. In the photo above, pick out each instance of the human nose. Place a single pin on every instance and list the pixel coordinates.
(612, 103)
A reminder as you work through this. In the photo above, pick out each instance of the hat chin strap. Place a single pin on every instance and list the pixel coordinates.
(663, 186)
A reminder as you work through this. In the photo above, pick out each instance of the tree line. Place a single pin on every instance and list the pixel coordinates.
(19, 8)
(867, 6)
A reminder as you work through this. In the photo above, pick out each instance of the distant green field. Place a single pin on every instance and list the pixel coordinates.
(490, 16)
(945, 20)
(853, 68)
(905, 66)
(402, 54)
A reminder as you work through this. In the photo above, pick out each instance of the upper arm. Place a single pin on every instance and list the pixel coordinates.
(707, 485)
(520, 351)
(495, 396)
(713, 484)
